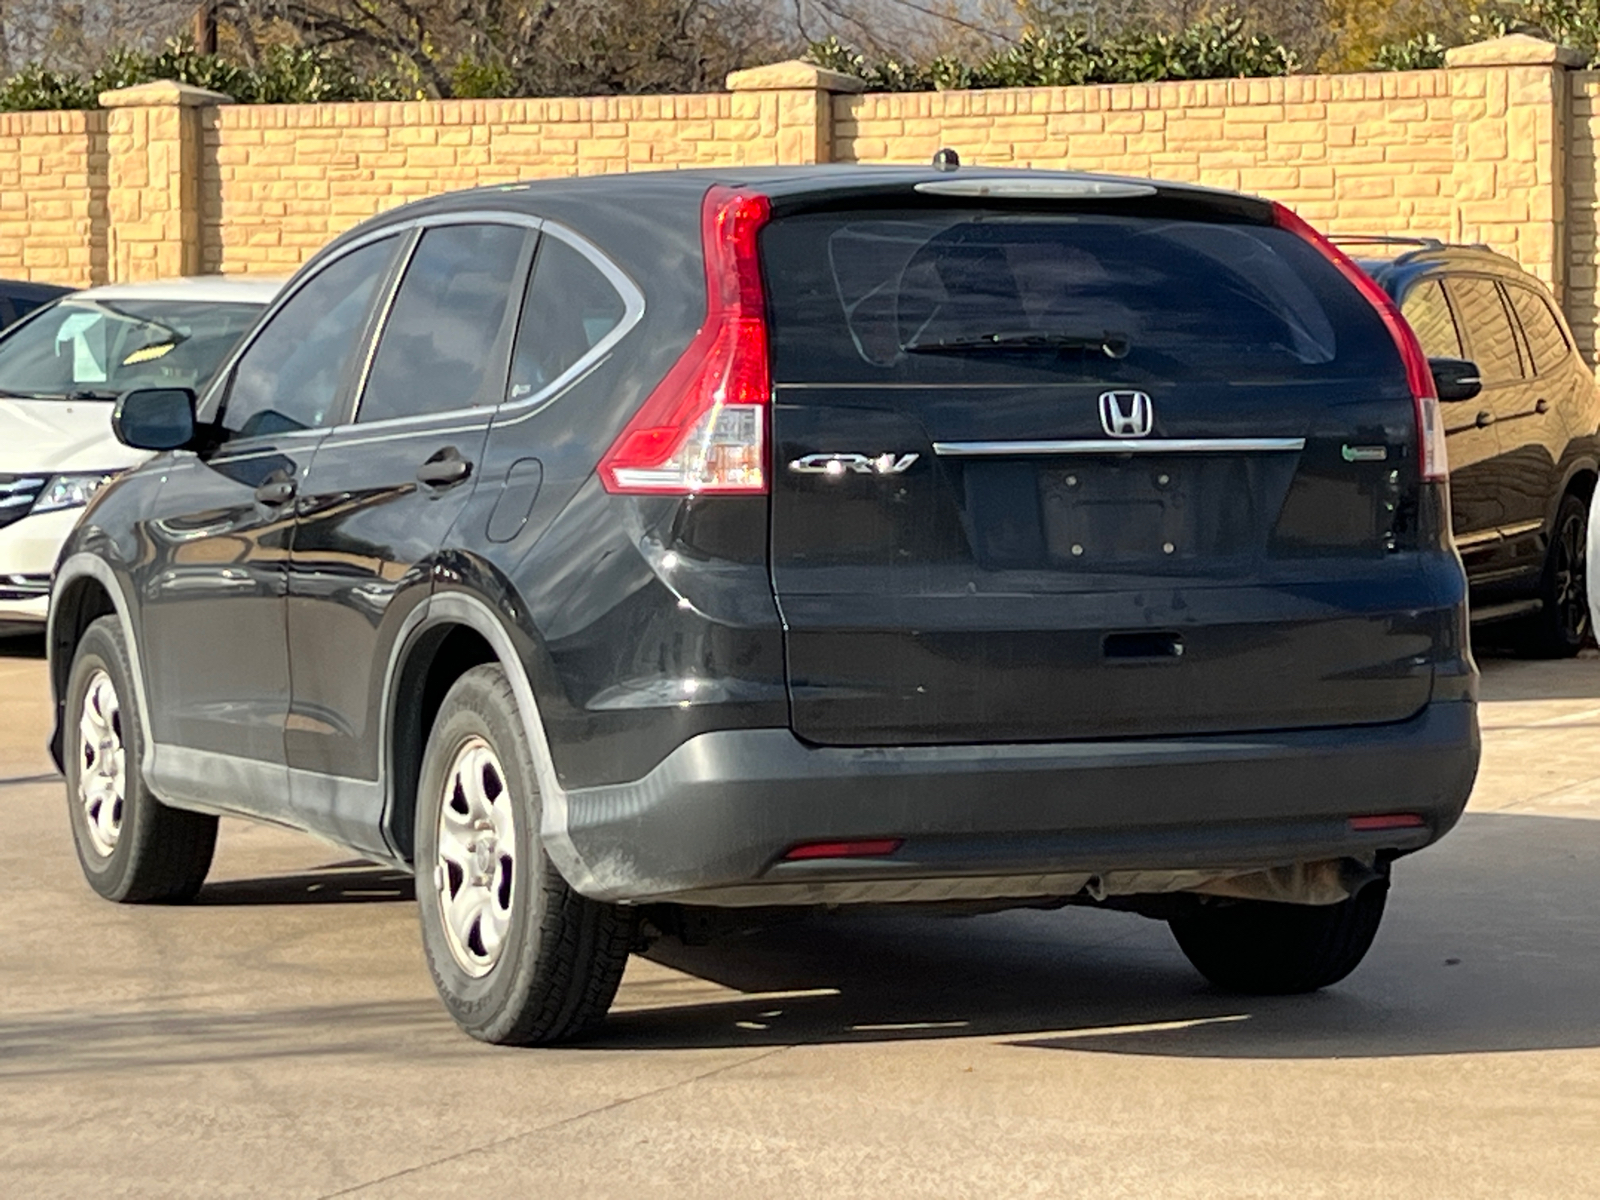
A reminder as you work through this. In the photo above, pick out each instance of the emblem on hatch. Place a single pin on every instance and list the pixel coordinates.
(1126, 414)
(857, 464)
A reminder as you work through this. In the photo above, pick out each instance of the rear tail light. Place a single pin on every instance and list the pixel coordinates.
(703, 429)
(1430, 421)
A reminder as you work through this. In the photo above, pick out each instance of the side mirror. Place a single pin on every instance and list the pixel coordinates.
(1455, 379)
(155, 418)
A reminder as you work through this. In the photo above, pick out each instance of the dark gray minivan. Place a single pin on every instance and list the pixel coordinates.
(614, 548)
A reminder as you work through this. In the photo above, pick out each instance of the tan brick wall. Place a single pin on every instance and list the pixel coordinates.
(277, 182)
(53, 197)
(1351, 153)
(1583, 208)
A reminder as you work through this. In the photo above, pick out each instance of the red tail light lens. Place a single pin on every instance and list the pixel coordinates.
(703, 429)
(1430, 421)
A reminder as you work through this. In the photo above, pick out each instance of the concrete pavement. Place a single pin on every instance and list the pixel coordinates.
(281, 1038)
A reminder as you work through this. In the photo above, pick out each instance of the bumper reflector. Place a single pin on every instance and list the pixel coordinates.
(868, 848)
(1387, 821)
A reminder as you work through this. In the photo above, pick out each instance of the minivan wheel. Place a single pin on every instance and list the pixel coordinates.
(519, 958)
(1561, 627)
(1264, 948)
(132, 847)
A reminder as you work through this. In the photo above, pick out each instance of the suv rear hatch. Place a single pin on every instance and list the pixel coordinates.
(1057, 469)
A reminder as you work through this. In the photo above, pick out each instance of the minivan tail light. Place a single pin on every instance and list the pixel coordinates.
(1419, 376)
(704, 427)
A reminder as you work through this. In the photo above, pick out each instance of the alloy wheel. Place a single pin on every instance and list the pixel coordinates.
(476, 873)
(102, 763)
(1571, 567)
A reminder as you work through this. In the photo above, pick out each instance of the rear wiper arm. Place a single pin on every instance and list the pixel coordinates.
(1112, 345)
(81, 394)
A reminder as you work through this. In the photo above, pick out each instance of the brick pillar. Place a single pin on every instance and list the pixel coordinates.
(1509, 103)
(794, 103)
(153, 179)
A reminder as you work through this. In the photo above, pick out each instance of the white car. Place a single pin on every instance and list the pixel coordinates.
(61, 371)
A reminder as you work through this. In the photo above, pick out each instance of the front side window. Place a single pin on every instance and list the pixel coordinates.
(97, 349)
(1488, 327)
(1546, 341)
(570, 306)
(1429, 315)
(291, 376)
(436, 351)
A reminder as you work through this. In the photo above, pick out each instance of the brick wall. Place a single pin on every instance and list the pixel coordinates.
(53, 196)
(1499, 147)
(278, 182)
(1353, 153)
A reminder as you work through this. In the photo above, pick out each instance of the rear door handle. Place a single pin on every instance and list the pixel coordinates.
(1485, 419)
(1542, 407)
(276, 490)
(446, 468)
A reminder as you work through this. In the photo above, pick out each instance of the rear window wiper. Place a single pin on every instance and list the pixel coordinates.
(80, 394)
(1112, 345)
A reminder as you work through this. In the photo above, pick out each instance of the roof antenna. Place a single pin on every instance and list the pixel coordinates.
(946, 159)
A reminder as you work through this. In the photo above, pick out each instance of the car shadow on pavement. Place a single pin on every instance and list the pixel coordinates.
(1506, 677)
(21, 645)
(340, 883)
(1490, 944)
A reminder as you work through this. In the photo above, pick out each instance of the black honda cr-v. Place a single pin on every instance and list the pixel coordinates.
(781, 537)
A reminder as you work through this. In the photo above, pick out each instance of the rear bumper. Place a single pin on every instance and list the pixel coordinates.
(711, 823)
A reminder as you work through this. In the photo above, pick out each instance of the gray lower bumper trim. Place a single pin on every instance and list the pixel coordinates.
(722, 809)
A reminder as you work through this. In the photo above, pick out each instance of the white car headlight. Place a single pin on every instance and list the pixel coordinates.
(70, 491)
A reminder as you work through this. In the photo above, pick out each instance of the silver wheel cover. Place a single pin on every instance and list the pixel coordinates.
(102, 764)
(475, 876)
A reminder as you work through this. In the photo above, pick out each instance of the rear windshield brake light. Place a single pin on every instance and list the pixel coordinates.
(703, 429)
(1419, 376)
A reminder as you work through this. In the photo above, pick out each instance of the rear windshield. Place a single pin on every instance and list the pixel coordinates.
(973, 295)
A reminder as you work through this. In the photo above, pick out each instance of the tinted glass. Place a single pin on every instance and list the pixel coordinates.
(884, 295)
(1488, 328)
(570, 307)
(1546, 341)
(1425, 308)
(105, 347)
(437, 348)
(290, 376)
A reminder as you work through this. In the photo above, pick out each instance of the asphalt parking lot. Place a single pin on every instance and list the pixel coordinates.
(280, 1037)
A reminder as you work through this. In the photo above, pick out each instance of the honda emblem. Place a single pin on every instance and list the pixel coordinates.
(1126, 414)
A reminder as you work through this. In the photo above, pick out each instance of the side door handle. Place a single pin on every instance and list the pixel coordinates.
(1542, 407)
(444, 469)
(276, 490)
(1485, 419)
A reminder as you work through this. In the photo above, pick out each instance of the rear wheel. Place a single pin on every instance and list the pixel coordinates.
(1561, 627)
(519, 958)
(131, 846)
(1264, 948)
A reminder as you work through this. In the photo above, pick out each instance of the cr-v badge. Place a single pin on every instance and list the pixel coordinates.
(859, 464)
(1126, 414)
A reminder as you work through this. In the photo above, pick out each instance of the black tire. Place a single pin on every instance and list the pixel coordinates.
(556, 969)
(1269, 949)
(1561, 628)
(157, 854)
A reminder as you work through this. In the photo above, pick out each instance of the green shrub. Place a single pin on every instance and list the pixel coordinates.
(285, 75)
(1219, 47)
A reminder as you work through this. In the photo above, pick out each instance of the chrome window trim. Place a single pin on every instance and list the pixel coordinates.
(1121, 446)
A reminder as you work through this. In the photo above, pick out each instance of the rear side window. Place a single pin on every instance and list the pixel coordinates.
(570, 306)
(1546, 341)
(1488, 328)
(436, 353)
(964, 294)
(1429, 315)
